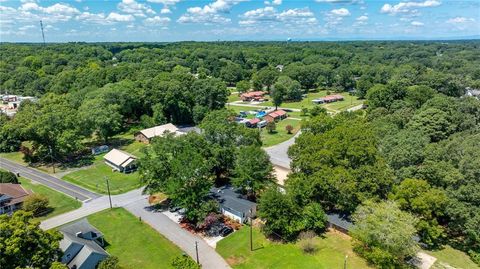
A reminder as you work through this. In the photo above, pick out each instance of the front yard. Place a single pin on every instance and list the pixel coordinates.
(136, 244)
(332, 250)
(449, 256)
(280, 135)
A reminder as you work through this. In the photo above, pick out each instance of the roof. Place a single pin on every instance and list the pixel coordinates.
(159, 130)
(277, 113)
(119, 158)
(230, 199)
(253, 94)
(15, 192)
(339, 221)
(254, 121)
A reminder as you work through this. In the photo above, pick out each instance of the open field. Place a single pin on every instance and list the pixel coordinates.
(452, 257)
(280, 135)
(136, 244)
(331, 253)
(60, 203)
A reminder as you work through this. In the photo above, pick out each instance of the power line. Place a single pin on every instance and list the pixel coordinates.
(43, 35)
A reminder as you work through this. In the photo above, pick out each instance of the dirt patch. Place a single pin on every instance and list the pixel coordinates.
(234, 260)
(281, 174)
(340, 234)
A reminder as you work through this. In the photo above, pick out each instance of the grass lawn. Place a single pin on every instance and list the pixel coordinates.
(233, 97)
(452, 257)
(280, 135)
(136, 244)
(17, 157)
(59, 202)
(331, 253)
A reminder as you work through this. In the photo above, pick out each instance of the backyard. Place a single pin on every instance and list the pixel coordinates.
(332, 250)
(139, 247)
(59, 203)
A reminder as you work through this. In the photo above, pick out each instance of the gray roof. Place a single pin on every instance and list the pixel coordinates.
(79, 245)
(339, 221)
(230, 199)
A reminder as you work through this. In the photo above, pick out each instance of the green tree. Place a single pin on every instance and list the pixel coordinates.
(267, 76)
(23, 244)
(277, 95)
(184, 262)
(271, 126)
(243, 86)
(289, 87)
(100, 117)
(37, 204)
(111, 262)
(384, 234)
(8, 177)
(253, 170)
(58, 265)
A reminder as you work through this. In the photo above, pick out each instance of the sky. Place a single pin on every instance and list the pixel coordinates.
(179, 20)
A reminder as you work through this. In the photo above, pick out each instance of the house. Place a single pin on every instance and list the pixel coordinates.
(82, 245)
(12, 197)
(276, 115)
(328, 99)
(253, 96)
(233, 204)
(279, 67)
(120, 160)
(146, 135)
(339, 222)
(252, 123)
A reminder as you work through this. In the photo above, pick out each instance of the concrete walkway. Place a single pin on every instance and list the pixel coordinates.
(208, 257)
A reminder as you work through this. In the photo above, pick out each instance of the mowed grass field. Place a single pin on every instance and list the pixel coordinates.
(135, 243)
(452, 257)
(332, 249)
(59, 202)
(280, 135)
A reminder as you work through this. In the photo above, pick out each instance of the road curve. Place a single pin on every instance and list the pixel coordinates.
(48, 180)
(279, 153)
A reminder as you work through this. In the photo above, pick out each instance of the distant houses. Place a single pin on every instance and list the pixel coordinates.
(328, 99)
(146, 135)
(10, 103)
(253, 96)
(120, 161)
(276, 115)
(12, 197)
(82, 245)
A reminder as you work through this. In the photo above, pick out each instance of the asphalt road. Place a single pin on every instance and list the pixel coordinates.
(48, 180)
(278, 153)
(208, 257)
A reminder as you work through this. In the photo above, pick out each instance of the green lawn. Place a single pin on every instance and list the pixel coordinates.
(331, 254)
(452, 257)
(136, 244)
(280, 135)
(233, 97)
(59, 202)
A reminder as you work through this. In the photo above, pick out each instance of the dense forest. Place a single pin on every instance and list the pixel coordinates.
(417, 143)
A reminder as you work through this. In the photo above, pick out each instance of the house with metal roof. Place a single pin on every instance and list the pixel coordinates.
(339, 222)
(12, 197)
(82, 245)
(233, 204)
(146, 135)
(120, 160)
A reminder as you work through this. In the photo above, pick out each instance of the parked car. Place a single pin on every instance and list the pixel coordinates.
(262, 124)
(226, 231)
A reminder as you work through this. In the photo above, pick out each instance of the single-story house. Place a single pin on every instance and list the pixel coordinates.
(276, 115)
(12, 197)
(233, 204)
(252, 123)
(328, 99)
(146, 135)
(252, 96)
(120, 160)
(82, 245)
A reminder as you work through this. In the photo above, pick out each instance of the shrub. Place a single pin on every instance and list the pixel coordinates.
(8, 177)
(289, 128)
(184, 262)
(317, 110)
(307, 242)
(304, 111)
(37, 204)
(271, 126)
(111, 262)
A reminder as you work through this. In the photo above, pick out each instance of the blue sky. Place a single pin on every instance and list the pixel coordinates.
(174, 20)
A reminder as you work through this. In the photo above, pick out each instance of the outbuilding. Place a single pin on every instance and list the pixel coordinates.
(146, 135)
(121, 161)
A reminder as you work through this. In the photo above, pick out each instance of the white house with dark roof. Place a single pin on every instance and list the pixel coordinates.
(120, 160)
(82, 245)
(233, 204)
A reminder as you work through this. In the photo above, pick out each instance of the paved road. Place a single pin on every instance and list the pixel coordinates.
(208, 257)
(278, 153)
(48, 180)
(94, 206)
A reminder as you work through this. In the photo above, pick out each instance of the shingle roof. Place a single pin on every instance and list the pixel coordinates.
(119, 158)
(159, 130)
(339, 221)
(14, 191)
(229, 198)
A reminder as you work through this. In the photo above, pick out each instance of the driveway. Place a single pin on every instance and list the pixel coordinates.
(278, 153)
(48, 180)
(208, 257)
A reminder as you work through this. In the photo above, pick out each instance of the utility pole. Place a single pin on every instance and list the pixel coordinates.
(196, 251)
(251, 231)
(108, 189)
(43, 35)
(51, 158)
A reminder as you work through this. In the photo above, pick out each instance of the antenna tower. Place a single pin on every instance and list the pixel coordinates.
(43, 35)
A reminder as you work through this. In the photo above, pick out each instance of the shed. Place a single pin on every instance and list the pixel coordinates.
(146, 135)
(233, 204)
(120, 160)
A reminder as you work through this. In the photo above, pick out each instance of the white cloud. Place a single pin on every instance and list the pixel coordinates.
(157, 20)
(407, 7)
(298, 16)
(460, 20)
(273, 2)
(362, 18)
(26, 27)
(165, 2)
(135, 8)
(340, 1)
(343, 12)
(210, 13)
(116, 17)
(417, 23)
(165, 10)
(92, 18)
